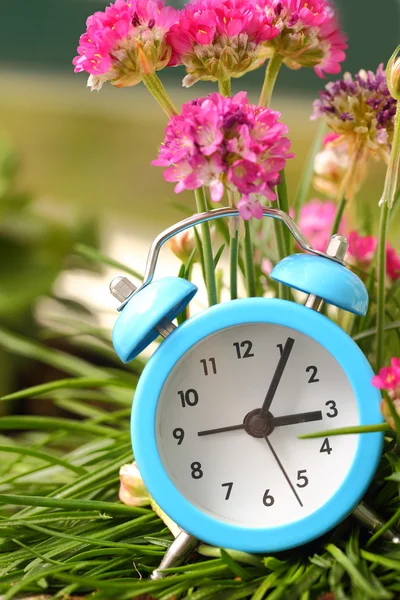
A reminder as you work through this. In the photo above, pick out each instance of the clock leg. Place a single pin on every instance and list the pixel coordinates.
(179, 550)
(373, 521)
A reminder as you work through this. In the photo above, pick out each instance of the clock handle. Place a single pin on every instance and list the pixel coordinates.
(180, 549)
(220, 213)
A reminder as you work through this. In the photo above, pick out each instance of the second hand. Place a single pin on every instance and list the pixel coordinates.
(283, 470)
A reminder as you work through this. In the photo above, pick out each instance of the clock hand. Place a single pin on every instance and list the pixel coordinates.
(221, 429)
(277, 377)
(283, 470)
(306, 417)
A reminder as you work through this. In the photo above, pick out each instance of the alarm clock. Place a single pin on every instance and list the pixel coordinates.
(221, 404)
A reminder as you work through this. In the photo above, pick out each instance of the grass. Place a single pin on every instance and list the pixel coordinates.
(63, 532)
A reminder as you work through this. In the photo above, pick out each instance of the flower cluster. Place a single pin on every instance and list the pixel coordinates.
(226, 143)
(219, 39)
(361, 110)
(315, 222)
(125, 42)
(309, 34)
(362, 251)
(388, 379)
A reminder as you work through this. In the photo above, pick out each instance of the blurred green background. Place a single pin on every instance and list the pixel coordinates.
(92, 151)
(79, 165)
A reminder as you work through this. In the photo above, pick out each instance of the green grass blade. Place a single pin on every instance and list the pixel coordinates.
(64, 384)
(17, 344)
(51, 423)
(52, 460)
(110, 508)
(347, 431)
(98, 257)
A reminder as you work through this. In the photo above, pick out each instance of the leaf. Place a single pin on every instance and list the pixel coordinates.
(218, 256)
(357, 578)
(51, 423)
(52, 460)
(110, 508)
(96, 256)
(21, 346)
(347, 431)
(234, 566)
(63, 384)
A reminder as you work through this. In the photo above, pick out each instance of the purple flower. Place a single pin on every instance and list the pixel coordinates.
(226, 143)
(361, 110)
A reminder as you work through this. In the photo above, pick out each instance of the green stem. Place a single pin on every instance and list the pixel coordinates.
(158, 91)
(233, 261)
(283, 204)
(249, 262)
(386, 203)
(207, 249)
(389, 191)
(282, 234)
(283, 291)
(271, 73)
(224, 87)
(338, 216)
(383, 230)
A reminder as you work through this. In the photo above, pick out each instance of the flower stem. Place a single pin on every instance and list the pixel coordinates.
(282, 234)
(158, 91)
(233, 261)
(207, 249)
(338, 216)
(249, 262)
(389, 191)
(380, 315)
(271, 73)
(386, 204)
(224, 87)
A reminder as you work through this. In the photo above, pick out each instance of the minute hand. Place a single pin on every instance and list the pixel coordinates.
(277, 377)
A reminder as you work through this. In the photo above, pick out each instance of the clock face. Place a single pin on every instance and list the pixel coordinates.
(264, 385)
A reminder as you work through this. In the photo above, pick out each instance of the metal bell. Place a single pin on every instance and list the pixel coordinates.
(325, 278)
(148, 313)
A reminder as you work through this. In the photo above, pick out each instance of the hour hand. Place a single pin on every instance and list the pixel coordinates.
(221, 429)
(306, 417)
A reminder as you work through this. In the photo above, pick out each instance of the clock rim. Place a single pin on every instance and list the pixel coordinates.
(204, 526)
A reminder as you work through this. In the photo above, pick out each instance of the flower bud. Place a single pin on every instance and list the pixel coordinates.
(393, 74)
(183, 244)
(132, 491)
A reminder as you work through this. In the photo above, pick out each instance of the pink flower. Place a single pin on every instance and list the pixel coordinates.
(248, 207)
(226, 143)
(362, 250)
(219, 39)
(392, 263)
(125, 42)
(388, 379)
(309, 34)
(316, 220)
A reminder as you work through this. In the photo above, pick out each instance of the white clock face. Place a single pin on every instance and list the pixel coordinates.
(268, 384)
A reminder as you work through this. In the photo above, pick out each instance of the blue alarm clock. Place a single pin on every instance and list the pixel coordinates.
(221, 403)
